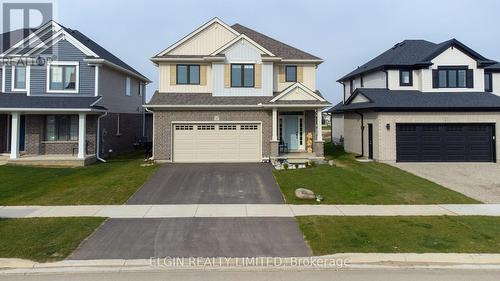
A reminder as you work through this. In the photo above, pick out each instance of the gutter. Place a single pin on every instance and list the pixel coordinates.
(362, 135)
(98, 146)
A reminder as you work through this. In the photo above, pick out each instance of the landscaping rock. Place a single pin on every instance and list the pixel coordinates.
(303, 193)
(331, 163)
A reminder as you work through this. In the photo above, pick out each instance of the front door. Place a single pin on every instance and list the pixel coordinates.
(291, 134)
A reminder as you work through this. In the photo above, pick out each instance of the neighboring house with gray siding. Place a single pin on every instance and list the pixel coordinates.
(422, 102)
(231, 94)
(66, 100)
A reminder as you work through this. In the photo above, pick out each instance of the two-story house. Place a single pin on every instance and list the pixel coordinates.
(423, 102)
(231, 94)
(64, 99)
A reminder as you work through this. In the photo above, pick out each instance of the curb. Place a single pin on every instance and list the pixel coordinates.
(344, 261)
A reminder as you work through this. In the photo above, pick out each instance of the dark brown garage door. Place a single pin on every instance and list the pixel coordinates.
(445, 142)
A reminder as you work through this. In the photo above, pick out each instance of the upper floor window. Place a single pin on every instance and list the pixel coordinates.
(188, 74)
(127, 87)
(488, 82)
(19, 78)
(242, 75)
(351, 86)
(63, 77)
(453, 77)
(291, 73)
(405, 78)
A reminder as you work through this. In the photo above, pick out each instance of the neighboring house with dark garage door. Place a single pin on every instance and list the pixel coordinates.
(65, 100)
(231, 94)
(423, 102)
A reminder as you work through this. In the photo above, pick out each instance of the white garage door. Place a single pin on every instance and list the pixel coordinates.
(216, 143)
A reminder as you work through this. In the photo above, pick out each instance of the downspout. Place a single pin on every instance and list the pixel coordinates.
(98, 145)
(362, 136)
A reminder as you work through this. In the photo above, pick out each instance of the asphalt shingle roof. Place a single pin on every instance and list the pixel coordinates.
(411, 53)
(399, 100)
(17, 100)
(276, 47)
(493, 67)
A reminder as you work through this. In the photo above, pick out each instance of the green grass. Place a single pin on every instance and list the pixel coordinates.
(438, 234)
(102, 183)
(353, 182)
(44, 239)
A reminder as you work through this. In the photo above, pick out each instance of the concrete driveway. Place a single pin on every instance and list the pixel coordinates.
(480, 181)
(234, 183)
(194, 237)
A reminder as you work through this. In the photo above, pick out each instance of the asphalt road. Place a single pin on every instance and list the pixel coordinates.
(330, 275)
(235, 183)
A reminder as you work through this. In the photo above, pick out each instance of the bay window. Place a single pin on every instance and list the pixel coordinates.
(62, 77)
(61, 128)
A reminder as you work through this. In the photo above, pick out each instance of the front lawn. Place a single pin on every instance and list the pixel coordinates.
(437, 234)
(100, 184)
(44, 239)
(353, 182)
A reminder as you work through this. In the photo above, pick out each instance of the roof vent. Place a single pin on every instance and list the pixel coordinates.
(398, 45)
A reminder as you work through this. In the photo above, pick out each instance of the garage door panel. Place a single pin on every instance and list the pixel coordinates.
(445, 143)
(217, 143)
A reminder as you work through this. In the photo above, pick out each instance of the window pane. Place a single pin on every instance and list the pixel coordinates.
(70, 77)
(442, 79)
(50, 128)
(462, 74)
(452, 78)
(56, 78)
(63, 128)
(182, 74)
(291, 74)
(248, 76)
(20, 76)
(74, 128)
(236, 75)
(487, 82)
(194, 74)
(405, 77)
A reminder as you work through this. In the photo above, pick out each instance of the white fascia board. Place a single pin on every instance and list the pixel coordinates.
(323, 105)
(51, 110)
(315, 61)
(52, 23)
(196, 31)
(237, 39)
(63, 35)
(187, 59)
(117, 67)
(293, 87)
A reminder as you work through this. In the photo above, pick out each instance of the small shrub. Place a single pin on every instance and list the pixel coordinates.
(307, 164)
(313, 164)
(285, 166)
(296, 166)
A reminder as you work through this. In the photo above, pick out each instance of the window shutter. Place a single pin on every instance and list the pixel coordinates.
(470, 78)
(258, 75)
(203, 75)
(173, 74)
(435, 78)
(281, 74)
(227, 76)
(300, 73)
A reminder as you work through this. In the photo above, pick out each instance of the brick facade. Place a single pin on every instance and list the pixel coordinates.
(163, 119)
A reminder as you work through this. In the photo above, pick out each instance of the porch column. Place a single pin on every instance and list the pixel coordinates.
(81, 135)
(319, 126)
(275, 125)
(14, 142)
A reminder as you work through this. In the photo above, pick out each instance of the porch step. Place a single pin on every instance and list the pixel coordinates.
(297, 160)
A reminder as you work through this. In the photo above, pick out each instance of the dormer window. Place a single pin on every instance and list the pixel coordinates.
(291, 73)
(453, 77)
(405, 78)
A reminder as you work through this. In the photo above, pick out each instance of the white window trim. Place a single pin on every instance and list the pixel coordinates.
(128, 86)
(140, 89)
(63, 63)
(13, 81)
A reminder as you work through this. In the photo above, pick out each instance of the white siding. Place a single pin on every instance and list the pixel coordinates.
(393, 75)
(453, 57)
(496, 83)
(205, 42)
(374, 80)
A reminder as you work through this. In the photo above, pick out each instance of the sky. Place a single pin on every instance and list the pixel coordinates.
(345, 34)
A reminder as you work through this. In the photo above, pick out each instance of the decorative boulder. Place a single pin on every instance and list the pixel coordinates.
(303, 193)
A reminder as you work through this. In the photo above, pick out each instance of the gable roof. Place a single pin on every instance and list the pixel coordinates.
(278, 48)
(411, 100)
(88, 43)
(238, 39)
(294, 86)
(413, 53)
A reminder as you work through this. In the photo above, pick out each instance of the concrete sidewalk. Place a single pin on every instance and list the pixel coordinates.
(336, 261)
(246, 210)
